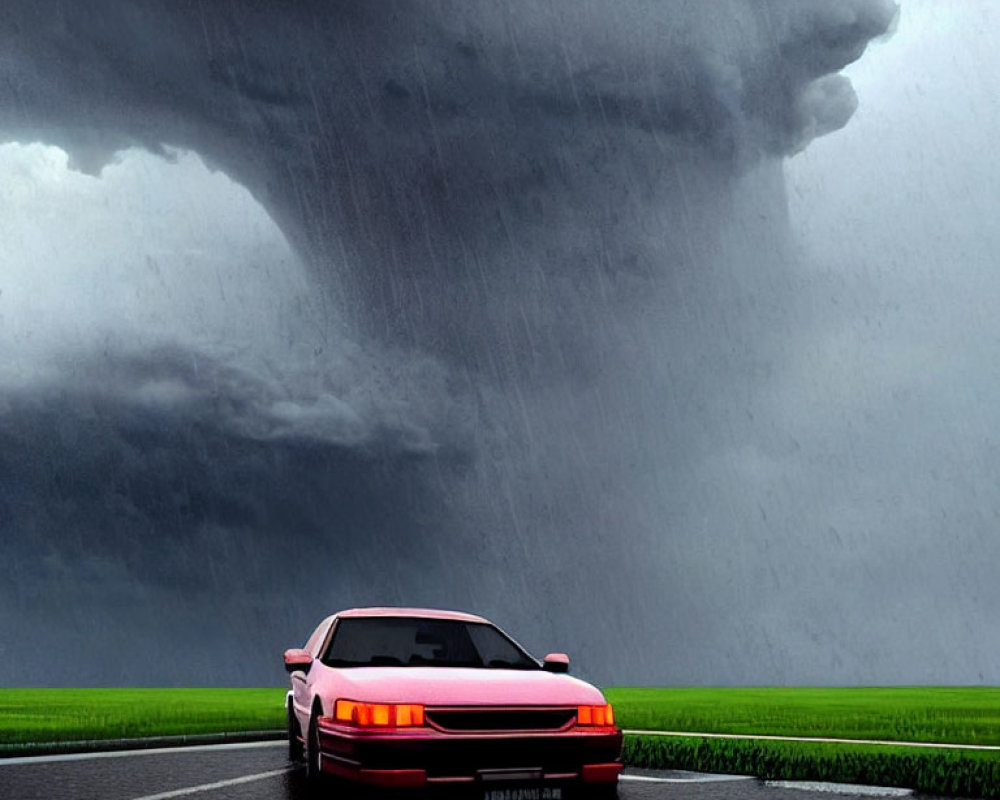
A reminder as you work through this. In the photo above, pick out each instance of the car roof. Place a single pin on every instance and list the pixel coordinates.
(391, 611)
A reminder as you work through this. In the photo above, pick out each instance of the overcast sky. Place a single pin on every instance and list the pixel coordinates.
(149, 251)
(844, 496)
(897, 217)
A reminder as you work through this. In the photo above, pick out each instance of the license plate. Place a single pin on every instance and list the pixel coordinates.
(524, 793)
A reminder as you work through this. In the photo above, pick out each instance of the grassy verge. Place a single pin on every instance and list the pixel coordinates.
(947, 715)
(62, 715)
(944, 715)
(959, 716)
(939, 772)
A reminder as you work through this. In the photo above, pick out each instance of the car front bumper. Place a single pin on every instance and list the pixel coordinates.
(423, 757)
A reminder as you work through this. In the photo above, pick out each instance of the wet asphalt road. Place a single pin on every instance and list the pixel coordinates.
(262, 772)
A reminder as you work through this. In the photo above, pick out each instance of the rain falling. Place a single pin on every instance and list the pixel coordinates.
(560, 313)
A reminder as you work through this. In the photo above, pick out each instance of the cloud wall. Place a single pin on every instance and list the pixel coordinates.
(546, 263)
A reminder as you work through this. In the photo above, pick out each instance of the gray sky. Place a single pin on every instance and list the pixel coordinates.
(898, 378)
(779, 445)
(150, 250)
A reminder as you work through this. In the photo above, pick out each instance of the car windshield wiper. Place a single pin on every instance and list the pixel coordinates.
(385, 661)
(420, 661)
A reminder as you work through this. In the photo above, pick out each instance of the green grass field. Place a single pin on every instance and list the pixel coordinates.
(943, 715)
(950, 715)
(59, 715)
(955, 773)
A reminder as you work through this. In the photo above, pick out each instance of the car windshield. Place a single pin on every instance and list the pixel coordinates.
(420, 642)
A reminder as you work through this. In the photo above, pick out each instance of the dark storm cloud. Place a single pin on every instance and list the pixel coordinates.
(157, 531)
(348, 113)
(556, 205)
(668, 65)
(266, 405)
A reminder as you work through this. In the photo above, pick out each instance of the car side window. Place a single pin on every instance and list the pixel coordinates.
(316, 640)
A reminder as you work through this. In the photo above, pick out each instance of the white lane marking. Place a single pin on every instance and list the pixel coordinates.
(695, 778)
(207, 787)
(756, 737)
(842, 788)
(151, 751)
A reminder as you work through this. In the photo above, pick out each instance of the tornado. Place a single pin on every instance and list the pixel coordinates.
(547, 258)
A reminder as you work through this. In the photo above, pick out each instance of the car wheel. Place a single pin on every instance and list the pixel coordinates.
(601, 791)
(296, 750)
(312, 750)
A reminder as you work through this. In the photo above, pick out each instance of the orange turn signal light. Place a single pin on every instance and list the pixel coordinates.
(602, 716)
(379, 715)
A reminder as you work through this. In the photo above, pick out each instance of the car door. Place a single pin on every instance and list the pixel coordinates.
(301, 683)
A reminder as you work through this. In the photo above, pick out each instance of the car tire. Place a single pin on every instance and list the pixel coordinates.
(313, 772)
(296, 749)
(608, 791)
(598, 791)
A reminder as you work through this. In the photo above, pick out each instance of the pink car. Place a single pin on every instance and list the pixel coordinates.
(408, 697)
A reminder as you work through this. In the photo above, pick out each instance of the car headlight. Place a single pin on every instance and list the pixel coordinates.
(379, 715)
(597, 716)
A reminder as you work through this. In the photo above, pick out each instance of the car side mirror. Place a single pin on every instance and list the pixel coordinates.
(556, 662)
(297, 660)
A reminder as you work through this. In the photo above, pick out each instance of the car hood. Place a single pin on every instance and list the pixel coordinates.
(457, 686)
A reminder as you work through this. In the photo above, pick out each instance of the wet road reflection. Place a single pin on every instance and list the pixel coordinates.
(262, 772)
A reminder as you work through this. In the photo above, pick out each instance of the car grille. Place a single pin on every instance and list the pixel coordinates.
(485, 719)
